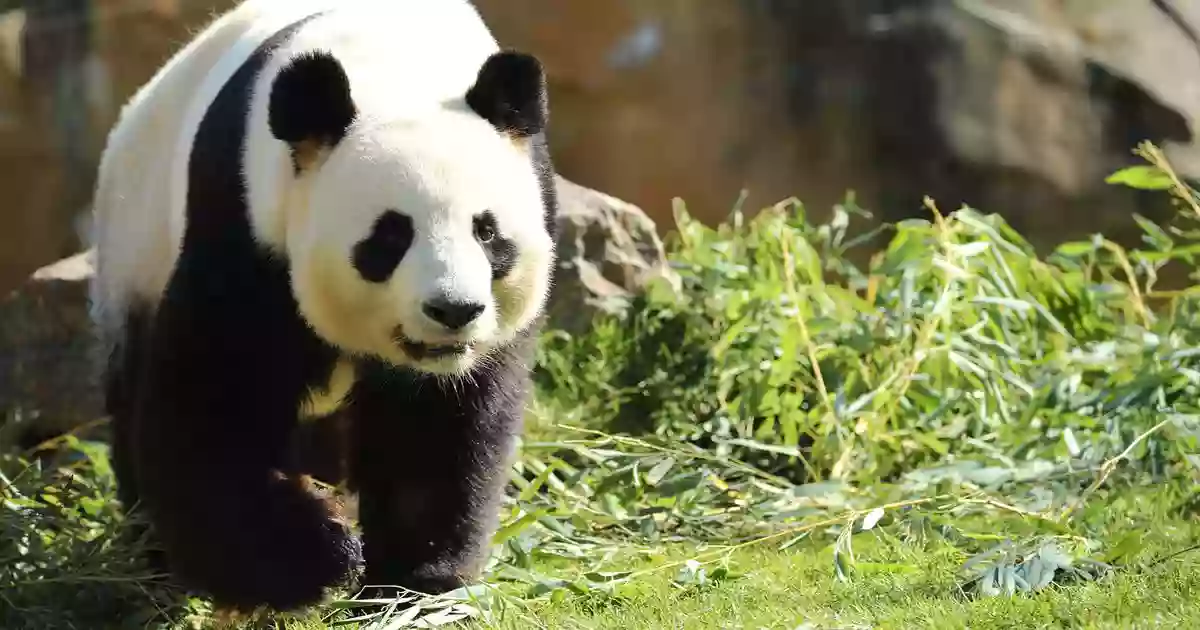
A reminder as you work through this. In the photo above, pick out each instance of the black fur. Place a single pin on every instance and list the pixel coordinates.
(546, 176)
(501, 251)
(310, 101)
(510, 93)
(119, 388)
(226, 360)
(124, 367)
(430, 462)
(378, 255)
(206, 441)
(320, 447)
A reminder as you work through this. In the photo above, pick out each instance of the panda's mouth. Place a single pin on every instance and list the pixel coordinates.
(421, 351)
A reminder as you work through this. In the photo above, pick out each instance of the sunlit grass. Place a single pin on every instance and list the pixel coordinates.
(961, 432)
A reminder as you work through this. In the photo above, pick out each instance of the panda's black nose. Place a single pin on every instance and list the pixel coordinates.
(452, 314)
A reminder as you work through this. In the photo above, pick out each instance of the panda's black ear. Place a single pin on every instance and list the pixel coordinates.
(310, 101)
(510, 93)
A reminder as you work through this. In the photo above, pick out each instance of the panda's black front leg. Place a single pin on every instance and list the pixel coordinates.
(216, 408)
(430, 462)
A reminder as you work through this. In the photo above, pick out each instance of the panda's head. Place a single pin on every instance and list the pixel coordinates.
(421, 240)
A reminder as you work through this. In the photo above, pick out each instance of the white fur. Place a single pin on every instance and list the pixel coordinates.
(138, 207)
(440, 171)
(414, 149)
(328, 397)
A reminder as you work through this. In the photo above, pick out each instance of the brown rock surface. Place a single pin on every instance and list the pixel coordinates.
(65, 69)
(47, 383)
(1016, 106)
(664, 98)
(608, 249)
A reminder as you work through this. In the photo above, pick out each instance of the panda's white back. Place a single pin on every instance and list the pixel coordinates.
(400, 55)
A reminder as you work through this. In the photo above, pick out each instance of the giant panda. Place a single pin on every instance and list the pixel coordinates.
(323, 206)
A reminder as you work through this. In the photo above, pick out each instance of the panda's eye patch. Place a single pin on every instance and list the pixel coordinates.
(501, 251)
(376, 256)
(485, 227)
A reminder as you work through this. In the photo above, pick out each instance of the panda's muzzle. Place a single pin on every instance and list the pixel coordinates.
(452, 316)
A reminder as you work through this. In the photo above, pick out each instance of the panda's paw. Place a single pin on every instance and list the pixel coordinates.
(289, 574)
(286, 552)
(304, 562)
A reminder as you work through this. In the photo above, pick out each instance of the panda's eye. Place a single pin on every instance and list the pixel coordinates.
(485, 228)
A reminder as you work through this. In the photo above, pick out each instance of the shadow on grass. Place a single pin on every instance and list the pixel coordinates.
(69, 557)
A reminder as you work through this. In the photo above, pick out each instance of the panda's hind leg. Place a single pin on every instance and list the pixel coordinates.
(121, 373)
(429, 461)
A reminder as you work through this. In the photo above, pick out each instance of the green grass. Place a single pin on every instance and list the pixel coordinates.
(960, 432)
(903, 584)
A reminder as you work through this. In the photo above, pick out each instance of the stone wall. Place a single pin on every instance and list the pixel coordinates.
(1017, 106)
(66, 66)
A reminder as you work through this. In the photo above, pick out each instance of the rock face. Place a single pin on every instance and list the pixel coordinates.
(66, 66)
(47, 380)
(608, 250)
(1015, 106)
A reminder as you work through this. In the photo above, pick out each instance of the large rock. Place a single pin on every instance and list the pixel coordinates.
(47, 380)
(608, 250)
(1016, 106)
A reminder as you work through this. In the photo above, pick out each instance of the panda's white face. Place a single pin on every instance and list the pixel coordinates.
(421, 242)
